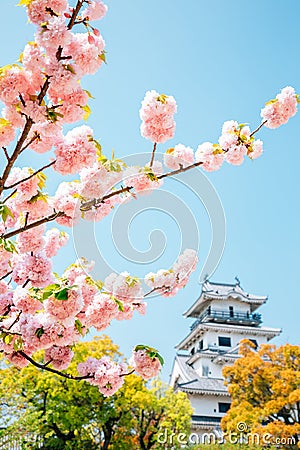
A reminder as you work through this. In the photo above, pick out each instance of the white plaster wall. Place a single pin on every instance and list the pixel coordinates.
(207, 405)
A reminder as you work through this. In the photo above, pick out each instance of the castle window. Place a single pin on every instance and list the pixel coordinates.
(201, 345)
(223, 407)
(224, 341)
(205, 371)
(231, 312)
(193, 351)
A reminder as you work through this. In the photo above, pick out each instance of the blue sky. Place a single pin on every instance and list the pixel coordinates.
(221, 61)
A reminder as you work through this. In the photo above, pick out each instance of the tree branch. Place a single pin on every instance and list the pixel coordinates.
(258, 128)
(33, 225)
(86, 206)
(30, 176)
(49, 369)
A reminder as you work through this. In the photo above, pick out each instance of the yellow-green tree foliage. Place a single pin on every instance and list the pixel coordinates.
(265, 389)
(68, 414)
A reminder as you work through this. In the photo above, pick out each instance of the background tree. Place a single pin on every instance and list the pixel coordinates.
(265, 389)
(72, 415)
(42, 94)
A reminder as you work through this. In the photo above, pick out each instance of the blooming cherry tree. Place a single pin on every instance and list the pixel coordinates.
(41, 94)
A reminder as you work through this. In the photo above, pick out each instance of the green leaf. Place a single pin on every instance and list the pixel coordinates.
(150, 175)
(119, 303)
(62, 295)
(8, 245)
(162, 98)
(131, 281)
(8, 339)
(18, 344)
(5, 212)
(39, 332)
(270, 102)
(70, 68)
(24, 2)
(88, 93)
(103, 57)
(79, 326)
(87, 111)
(38, 196)
(161, 359)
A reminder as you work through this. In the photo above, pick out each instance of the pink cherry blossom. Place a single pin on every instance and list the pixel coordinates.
(278, 111)
(124, 287)
(60, 357)
(144, 365)
(6, 300)
(31, 240)
(7, 132)
(64, 309)
(86, 54)
(142, 179)
(96, 181)
(76, 151)
(13, 82)
(17, 360)
(257, 149)
(37, 12)
(54, 33)
(106, 374)
(33, 57)
(95, 11)
(235, 154)
(36, 269)
(209, 156)
(101, 311)
(179, 156)
(157, 114)
(102, 210)
(28, 188)
(25, 302)
(66, 201)
(54, 240)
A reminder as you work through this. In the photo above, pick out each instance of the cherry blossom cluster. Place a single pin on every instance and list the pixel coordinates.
(279, 110)
(146, 361)
(40, 310)
(168, 282)
(106, 374)
(157, 114)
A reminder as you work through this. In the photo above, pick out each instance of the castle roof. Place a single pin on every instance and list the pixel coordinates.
(201, 328)
(223, 291)
(193, 384)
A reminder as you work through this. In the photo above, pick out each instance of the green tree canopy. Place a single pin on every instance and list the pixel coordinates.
(68, 414)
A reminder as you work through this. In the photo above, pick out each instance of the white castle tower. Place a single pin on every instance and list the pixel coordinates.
(225, 314)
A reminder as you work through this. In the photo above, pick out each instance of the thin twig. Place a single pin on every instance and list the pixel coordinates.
(153, 154)
(30, 176)
(9, 196)
(6, 275)
(126, 374)
(5, 152)
(34, 138)
(15, 321)
(258, 128)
